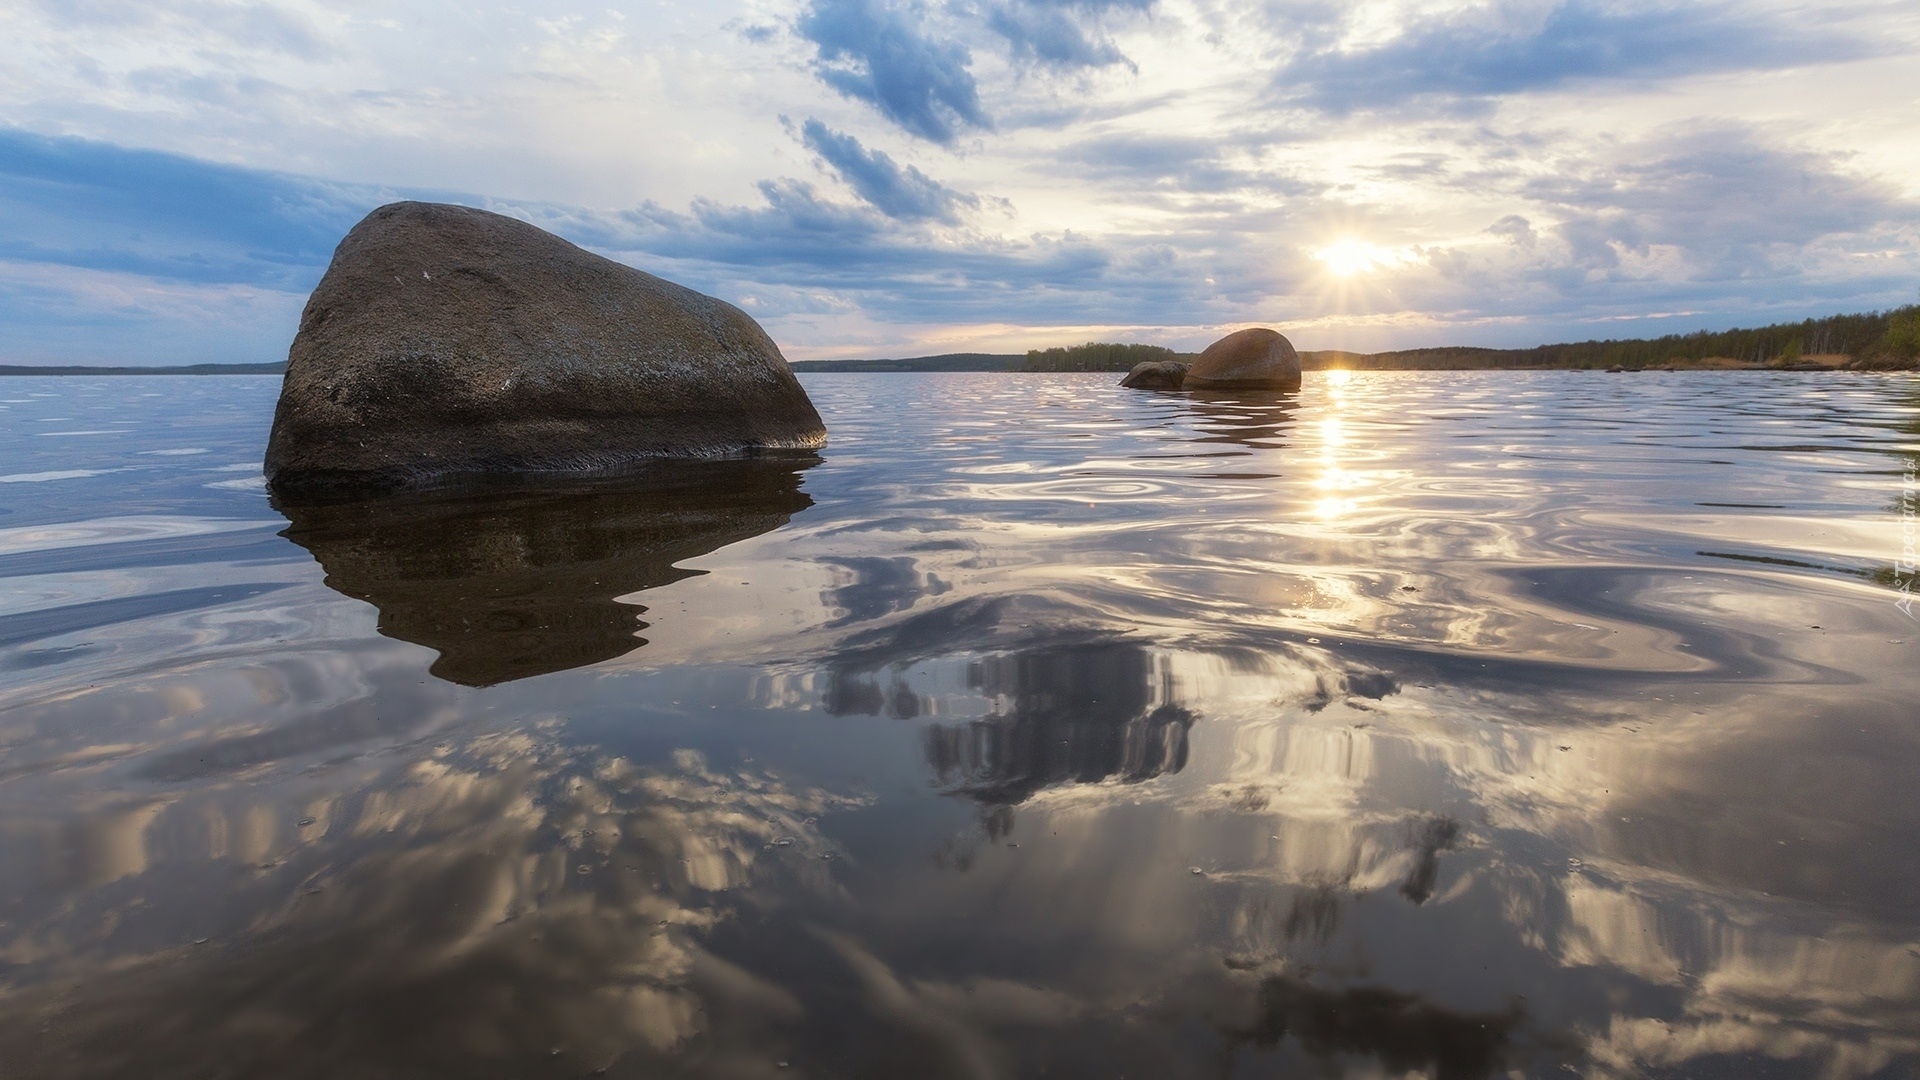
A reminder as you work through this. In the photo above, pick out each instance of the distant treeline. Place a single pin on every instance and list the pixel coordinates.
(1097, 356)
(1889, 337)
(943, 362)
(1878, 338)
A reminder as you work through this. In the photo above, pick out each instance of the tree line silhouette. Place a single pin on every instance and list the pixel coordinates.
(1875, 339)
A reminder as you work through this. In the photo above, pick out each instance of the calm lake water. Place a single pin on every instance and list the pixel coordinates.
(1448, 725)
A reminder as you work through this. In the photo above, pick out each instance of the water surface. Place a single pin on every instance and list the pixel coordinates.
(1450, 725)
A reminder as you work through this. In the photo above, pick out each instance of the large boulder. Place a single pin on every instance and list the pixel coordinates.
(1252, 359)
(445, 340)
(1156, 375)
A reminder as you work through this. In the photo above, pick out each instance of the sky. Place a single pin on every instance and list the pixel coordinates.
(897, 178)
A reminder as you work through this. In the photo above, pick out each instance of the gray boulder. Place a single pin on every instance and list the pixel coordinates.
(445, 340)
(1156, 375)
(1252, 359)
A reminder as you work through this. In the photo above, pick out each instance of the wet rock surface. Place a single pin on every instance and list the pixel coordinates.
(446, 340)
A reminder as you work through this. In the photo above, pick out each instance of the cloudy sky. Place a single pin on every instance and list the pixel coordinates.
(889, 177)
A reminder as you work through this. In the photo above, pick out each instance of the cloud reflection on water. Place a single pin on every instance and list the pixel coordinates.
(1125, 759)
(490, 906)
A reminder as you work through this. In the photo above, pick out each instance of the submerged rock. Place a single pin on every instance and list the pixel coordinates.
(1252, 359)
(446, 340)
(1156, 375)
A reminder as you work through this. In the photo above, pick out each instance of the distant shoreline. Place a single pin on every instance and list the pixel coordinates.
(276, 368)
(1012, 365)
(942, 362)
(1443, 359)
(1875, 340)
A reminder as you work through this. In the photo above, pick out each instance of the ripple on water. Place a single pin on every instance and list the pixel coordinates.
(1463, 725)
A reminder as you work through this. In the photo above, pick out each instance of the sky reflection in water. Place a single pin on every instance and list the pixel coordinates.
(1454, 725)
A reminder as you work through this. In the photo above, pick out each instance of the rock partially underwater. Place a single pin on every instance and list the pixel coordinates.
(511, 579)
(1156, 375)
(1252, 359)
(445, 340)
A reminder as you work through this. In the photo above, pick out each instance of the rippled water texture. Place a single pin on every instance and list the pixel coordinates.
(1449, 725)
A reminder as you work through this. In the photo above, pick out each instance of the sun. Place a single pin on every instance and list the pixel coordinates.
(1345, 258)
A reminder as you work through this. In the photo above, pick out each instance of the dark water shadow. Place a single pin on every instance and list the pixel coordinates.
(1254, 418)
(511, 580)
(1078, 714)
(1403, 1032)
(1072, 702)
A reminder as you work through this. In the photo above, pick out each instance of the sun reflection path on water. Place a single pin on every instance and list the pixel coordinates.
(1333, 478)
(1054, 729)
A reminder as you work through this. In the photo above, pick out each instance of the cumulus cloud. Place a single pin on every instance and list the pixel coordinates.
(1509, 48)
(903, 194)
(884, 53)
(1723, 225)
(1521, 166)
(1726, 199)
(810, 226)
(1515, 229)
(136, 231)
(800, 242)
(1182, 164)
(1061, 34)
(115, 255)
(74, 202)
(1710, 220)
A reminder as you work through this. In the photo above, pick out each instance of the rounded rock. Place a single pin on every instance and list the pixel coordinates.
(445, 340)
(1156, 375)
(1252, 359)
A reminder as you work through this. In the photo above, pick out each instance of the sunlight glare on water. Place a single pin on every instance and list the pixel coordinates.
(1454, 725)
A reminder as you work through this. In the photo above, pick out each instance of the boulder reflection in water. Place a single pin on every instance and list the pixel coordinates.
(1080, 714)
(508, 581)
(1259, 419)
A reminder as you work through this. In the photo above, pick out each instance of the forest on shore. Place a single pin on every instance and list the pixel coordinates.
(1880, 340)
